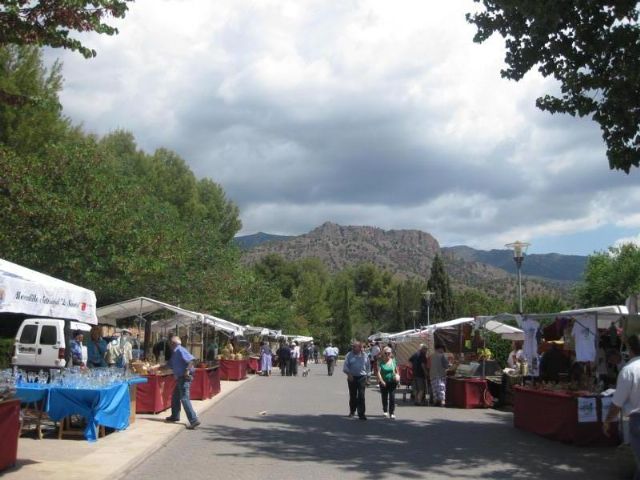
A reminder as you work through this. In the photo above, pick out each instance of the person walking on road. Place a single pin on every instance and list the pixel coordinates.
(626, 398)
(357, 368)
(284, 356)
(388, 377)
(266, 360)
(181, 362)
(330, 356)
(295, 358)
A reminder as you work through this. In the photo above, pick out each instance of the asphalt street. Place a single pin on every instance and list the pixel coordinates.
(297, 427)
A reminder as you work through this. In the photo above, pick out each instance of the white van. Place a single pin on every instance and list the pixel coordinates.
(40, 343)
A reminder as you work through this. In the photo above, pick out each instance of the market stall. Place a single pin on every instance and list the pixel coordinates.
(232, 369)
(10, 428)
(468, 393)
(206, 383)
(569, 417)
(155, 395)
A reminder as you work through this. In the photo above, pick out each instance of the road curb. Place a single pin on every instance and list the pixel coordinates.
(124, 471)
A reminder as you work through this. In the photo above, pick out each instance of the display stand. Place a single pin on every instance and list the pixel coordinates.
(206, 383)
(10, 428)
(253, 364)
(33, 398)
(233, 369)
(468, 393)
(554, 415)
(155, 395)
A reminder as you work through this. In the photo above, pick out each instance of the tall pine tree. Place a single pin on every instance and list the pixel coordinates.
(441, 307)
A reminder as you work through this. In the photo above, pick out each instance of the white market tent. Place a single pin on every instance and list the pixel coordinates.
(33, 293)
(140, 307)
(507, 332)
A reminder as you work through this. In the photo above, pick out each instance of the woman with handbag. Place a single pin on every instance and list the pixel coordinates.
(388, 378)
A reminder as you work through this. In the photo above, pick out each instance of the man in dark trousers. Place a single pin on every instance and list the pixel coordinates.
(419, 365)
(357, 367)
(284, 356)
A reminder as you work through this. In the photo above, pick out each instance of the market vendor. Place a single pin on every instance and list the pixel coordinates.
(627, 399)
(553, 363)
(76, 349)
(96, 349)
(515, 356)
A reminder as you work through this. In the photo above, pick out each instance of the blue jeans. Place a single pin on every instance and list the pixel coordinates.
(634, 441)
(180, 395)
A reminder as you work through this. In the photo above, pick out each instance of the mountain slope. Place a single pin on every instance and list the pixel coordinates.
(551, 265)
(246, 242)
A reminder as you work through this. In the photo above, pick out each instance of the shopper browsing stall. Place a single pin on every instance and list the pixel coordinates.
(438, 365)
(419, 365)
(181, 363)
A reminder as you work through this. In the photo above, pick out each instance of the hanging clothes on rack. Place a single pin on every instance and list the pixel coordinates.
(530, 346)
(585, 332)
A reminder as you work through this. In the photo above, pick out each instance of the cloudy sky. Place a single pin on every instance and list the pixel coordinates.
(358, 112)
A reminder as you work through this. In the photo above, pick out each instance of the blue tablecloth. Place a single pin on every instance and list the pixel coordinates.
(31, 392)
(107, 406)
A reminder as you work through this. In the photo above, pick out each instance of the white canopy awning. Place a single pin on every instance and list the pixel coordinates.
(33, 293)
(505, 331)
(224, 325)
(139, 307)
(298, 338)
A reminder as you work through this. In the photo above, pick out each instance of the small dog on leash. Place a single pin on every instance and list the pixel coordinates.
(305, 372)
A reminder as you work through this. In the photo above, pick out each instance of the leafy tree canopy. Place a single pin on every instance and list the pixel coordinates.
(610, 277)
(592, 47)
(49, 22)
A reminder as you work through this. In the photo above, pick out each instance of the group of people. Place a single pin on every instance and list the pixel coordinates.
(359, 364)
(116, 352)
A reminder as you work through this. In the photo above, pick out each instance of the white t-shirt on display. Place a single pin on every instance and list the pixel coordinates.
(530, 347)
(584, 332)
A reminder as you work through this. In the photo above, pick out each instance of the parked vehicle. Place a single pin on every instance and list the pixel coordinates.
(41, 343)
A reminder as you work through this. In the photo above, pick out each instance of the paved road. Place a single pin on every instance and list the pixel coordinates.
(296, 427)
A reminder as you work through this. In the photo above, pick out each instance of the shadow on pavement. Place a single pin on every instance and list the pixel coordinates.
(412, 449)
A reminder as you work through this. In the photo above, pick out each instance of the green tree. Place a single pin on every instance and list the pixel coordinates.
(311, 298)
(610, 277)
(590, 46)
(49, 23)
(375, 293)
(441, 308)
(341, 302)
(473, 302)
(33, 119)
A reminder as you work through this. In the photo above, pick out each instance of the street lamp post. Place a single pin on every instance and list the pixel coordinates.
(414, 313)
(519, 250)
(427, 298)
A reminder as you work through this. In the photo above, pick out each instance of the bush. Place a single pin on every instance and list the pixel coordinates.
(6, 350)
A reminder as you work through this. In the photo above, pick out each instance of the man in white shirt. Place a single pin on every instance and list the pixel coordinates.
(627, 399)
(295, 358)
(330, 356)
